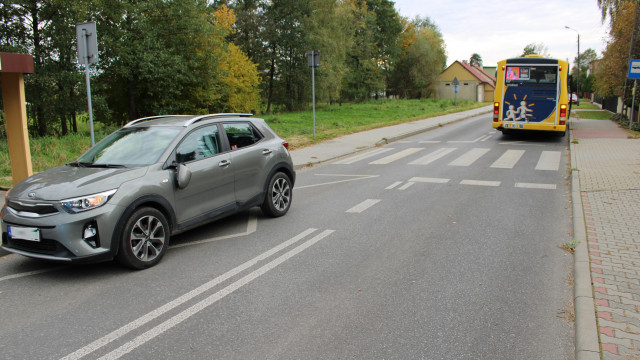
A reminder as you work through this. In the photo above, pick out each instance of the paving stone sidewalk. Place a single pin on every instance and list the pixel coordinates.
(608, 169)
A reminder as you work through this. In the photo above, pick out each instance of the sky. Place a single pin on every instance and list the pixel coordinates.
(500, 29)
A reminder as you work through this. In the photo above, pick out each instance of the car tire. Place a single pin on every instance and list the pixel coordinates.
(144, 240)
(277, 200)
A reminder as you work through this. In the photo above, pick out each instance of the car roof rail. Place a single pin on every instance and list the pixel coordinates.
(146, 119)
(203, 117)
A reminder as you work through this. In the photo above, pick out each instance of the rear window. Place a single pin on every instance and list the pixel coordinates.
(531, 75)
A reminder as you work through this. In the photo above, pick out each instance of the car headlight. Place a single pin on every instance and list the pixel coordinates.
(88, 202)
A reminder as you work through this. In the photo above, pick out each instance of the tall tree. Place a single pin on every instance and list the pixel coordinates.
(422, 59)
(537, 49)
(475, 60)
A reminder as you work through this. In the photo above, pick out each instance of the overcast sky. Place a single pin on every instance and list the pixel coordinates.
(500, 29)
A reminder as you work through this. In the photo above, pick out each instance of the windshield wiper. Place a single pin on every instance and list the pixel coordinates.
(110, 166)
(79, 164)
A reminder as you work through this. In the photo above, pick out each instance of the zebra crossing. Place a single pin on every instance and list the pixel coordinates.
(548, 160)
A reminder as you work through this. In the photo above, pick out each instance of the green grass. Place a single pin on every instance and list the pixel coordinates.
(336, 120)
(596, 115)
(296, 127)
(585, 105)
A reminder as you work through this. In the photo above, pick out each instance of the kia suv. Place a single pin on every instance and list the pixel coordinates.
(155, 177)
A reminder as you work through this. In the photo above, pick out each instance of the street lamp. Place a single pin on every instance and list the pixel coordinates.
(578, 80)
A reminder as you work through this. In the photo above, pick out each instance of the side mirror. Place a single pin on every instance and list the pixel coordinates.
(570, 80)
(183, 176)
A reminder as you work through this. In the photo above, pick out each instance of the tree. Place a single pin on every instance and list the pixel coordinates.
(586, 80)
(421, 61)
(536, 49)
(612, 69)
(475, 60)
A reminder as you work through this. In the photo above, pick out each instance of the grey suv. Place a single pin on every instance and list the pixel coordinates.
(153, 178)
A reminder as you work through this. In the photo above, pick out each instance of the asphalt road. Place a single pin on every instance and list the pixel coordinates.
(443, 246)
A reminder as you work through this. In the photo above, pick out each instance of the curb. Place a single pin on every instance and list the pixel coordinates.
(587, 344)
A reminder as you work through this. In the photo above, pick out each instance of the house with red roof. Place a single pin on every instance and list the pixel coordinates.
(474, 83)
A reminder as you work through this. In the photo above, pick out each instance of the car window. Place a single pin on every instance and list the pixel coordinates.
(241, 135)
(199, 144)
(131, 146)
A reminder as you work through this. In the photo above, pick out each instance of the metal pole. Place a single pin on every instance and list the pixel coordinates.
(313, 90)
(633, 102)
(87, 79)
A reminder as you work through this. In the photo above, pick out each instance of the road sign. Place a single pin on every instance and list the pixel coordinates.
(87, 39)
(634, 69)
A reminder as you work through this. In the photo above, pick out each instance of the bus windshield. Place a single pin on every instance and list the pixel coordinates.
(531, 75)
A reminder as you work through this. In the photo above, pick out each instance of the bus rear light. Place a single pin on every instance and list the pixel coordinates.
(563, 114)
(496, 111)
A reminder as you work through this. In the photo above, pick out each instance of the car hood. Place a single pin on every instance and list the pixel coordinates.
(65, 182)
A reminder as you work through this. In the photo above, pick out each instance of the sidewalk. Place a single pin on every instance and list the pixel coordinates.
(606, 202)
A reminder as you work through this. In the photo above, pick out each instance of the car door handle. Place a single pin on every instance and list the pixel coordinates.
(266, 152)
(224, 163)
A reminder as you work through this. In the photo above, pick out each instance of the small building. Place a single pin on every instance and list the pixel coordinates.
(474, 83)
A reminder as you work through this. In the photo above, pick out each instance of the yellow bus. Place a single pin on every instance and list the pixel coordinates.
(532, 94)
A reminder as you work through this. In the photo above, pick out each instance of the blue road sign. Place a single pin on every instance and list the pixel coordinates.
(634, 69)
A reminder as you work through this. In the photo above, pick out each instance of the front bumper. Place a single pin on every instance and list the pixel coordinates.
(63, 236)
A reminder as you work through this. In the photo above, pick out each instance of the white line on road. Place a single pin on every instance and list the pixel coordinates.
(29, 273)
(480, 183)
(536, 186)
(393, 185)
(363, 206)
(406, 186)
(396, 156)
(252, 226)
(429, 180)
(469, 157)
(549, 160)
(508, 160)
(354, 178)
(433, 156)
(184, 315)
(99, 343)
(368, 154)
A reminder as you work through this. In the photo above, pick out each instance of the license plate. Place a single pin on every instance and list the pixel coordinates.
(24, 233)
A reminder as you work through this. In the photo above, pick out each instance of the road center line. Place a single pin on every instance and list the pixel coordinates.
(184, 315)
(182, 299)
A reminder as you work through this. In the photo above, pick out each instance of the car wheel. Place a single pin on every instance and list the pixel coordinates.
(278, 198)
(144, 239)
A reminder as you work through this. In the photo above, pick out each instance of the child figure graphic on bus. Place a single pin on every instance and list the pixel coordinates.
(522, 111)
(511, 114)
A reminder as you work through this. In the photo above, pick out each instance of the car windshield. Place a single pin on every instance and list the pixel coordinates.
(136, 146)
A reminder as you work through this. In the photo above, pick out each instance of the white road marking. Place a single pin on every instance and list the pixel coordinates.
(365, 155)
(480, 183)
(115, 335)
(536, 186)
(29, 273)
(429, 180)
(508, 160)
(184, 315)
(549, 160)
(469, 157)
(406, 186)
(363, 206)
(393, 185)
(397, 156)
(252, 226)
(354, 178)
(433, 156)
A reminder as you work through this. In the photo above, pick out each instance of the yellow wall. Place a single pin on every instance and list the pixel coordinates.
(15, 112)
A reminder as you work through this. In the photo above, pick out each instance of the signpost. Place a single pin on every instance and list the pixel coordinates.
(634, 73)
(456, 89)
(313, 61)
(87, 40)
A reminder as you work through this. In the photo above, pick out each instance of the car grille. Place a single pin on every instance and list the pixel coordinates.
(44, 246)
(37, 209)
